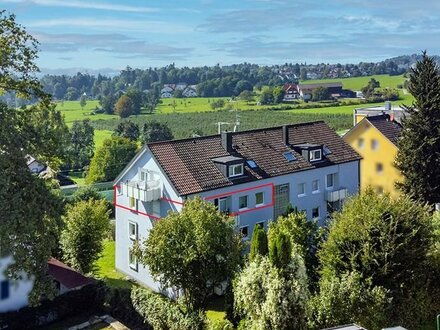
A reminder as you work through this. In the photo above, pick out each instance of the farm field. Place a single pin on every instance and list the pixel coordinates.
(356, 83)
(72, 111)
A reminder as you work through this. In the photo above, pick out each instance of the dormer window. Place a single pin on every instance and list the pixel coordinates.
(315, 155)
(235, 170)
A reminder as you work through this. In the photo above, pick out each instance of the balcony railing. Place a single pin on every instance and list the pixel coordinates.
(145, 191)
(336, 195)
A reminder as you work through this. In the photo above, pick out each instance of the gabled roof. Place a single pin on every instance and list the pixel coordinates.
(391, 129)
(67, 276)
(190, 167)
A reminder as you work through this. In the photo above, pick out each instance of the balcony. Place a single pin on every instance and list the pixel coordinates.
(145, 191)
(336, 195)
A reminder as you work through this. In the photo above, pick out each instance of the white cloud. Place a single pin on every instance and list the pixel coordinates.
(113, 25)
(84, 5)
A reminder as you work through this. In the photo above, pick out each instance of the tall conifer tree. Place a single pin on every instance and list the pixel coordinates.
(419, 146)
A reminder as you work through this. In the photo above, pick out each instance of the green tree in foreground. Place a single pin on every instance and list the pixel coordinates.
(346, 299)
(390, 242)
(128, 130)
(86, 225)
(258, 243)
(193, 250)
(419, 145)
(163, 313)
(154, 131)
(270, 299)
(110, 159)
(30, 210)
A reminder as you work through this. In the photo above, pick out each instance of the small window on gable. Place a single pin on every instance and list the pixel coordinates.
(315, 155)
(235, 170)
(374, 144)
(379, 168)
(360, 143)
(132, 230)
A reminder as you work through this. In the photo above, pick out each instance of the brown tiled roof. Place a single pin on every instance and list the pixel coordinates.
(188, 163)
(325, 85)
(390, 128)
(66, 275)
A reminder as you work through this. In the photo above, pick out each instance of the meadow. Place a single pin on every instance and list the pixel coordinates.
(195, 115)
(356, 83)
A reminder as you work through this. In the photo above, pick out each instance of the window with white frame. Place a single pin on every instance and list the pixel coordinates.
(315, 155)
(315, 212)
(244, 231)
(301, 189)
(235, 170)
(330, 180)
(315, 186)
(259, 198)
(261, 224)
(132, 230)
(223, 204)
(132, 260)
(243, 202)
(143, 174)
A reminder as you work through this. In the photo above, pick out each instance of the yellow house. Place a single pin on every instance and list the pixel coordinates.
(375, 139)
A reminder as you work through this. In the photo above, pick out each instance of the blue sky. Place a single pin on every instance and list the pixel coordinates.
(108, 35)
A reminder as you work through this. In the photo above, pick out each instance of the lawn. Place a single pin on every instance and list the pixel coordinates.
(106, 268)
(356, 83)
(72, 111)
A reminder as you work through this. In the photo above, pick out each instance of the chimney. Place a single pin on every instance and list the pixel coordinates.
(286, 135)
(227, 141)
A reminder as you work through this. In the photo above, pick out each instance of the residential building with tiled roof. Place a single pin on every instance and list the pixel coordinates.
(252, 175)
(375, 138)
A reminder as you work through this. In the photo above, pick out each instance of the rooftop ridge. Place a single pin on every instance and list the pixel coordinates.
(237, 133)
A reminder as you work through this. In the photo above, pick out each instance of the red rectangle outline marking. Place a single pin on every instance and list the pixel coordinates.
(129, 209)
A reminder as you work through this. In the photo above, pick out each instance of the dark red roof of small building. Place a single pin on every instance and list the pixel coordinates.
(67, 276)
(189, 163)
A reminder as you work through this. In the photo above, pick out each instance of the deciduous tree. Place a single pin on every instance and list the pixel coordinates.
(154, 131)
(82, 143)
(110, 159)
(124, 107)
(192, 251)
(86, 225)
(127, 129)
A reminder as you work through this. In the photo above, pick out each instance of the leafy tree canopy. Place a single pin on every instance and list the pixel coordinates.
(154, 131)
(86, 225)
(193, 250)
(128, 130)
(110, 159)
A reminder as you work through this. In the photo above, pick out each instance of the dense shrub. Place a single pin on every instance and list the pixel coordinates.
(163, 313)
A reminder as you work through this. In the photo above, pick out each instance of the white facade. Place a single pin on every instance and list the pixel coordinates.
(13, 294)
(312, 191)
